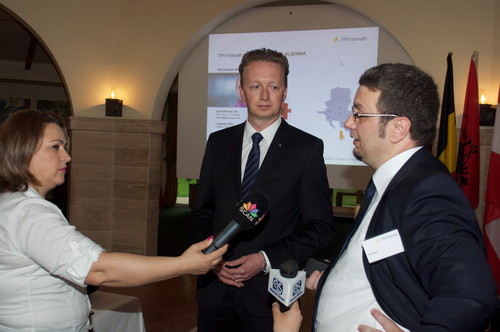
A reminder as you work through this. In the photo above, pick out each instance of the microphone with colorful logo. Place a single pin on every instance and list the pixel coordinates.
(248, 213)
(287, 284)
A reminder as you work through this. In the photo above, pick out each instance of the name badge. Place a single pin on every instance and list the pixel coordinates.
(383, 246)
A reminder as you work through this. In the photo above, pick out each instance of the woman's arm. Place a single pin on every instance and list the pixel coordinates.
(126, 270)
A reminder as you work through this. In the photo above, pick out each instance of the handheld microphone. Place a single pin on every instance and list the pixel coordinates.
(287, 284)
(247, 214)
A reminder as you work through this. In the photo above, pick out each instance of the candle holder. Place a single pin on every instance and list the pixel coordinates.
(114, 107)
(486, 115)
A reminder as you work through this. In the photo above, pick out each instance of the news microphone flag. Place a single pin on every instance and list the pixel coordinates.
(248, 213)
(468, 150)
(287, 284)
(491, 224)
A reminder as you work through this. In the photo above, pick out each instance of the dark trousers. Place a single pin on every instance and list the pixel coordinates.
(231, 315)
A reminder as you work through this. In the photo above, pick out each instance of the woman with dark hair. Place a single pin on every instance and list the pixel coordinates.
(45, 263)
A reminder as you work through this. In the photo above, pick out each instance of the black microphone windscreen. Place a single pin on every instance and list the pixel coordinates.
(251, 210)
(289, 269)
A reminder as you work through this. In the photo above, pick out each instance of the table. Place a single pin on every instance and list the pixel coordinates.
(116, 312)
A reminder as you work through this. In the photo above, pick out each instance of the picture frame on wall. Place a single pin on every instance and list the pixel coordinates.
(9, 105)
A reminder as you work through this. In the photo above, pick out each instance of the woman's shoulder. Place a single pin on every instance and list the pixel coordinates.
(24, 201)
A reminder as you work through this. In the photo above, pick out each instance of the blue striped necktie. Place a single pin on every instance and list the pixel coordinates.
(252, 166)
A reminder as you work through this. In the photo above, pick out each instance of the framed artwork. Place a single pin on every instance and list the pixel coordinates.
(11, 105)
(59, 107)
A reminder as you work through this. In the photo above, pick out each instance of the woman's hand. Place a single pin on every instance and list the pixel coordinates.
(196, 262)
(289, 321)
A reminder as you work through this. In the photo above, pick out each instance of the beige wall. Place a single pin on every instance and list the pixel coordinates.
(138, 47)
(114, 182)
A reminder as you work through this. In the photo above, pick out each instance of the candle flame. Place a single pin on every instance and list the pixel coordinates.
(483, 99)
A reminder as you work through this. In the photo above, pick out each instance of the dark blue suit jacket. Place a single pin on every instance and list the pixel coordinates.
(441, 282)
(293, 177)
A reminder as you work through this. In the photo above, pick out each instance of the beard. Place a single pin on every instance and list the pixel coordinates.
(357, 155)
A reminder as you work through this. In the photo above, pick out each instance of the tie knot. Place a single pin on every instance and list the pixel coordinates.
(256, 138)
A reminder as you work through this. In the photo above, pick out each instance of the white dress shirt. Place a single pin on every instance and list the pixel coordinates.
(267, 138)
(347, 297)
(43, 265)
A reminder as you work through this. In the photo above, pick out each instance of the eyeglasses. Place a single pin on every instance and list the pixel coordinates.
(357, 115)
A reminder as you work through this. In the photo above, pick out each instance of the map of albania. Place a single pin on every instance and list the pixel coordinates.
(337, 109)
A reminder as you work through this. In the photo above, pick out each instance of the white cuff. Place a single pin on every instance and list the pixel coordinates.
(268, 267)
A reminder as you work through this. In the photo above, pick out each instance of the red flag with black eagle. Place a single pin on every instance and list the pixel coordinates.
(468, 150)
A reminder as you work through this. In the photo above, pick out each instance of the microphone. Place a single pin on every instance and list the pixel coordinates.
(287, 284)
(247, 214)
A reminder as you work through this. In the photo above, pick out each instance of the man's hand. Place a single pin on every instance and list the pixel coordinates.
(246, 267)
(221, 271)
(312, 281)
(234, 273)
(387, 324)
(289, 321)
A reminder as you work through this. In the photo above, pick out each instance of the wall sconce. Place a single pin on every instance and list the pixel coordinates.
(113, 106)
(486, 113)
(482, 97)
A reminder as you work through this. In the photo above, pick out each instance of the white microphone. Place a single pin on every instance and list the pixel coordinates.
(248, 213)
(287, 284)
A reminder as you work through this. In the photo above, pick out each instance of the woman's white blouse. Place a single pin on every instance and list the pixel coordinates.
(43, 265)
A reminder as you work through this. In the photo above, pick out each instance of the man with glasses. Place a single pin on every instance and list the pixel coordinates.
(416, 253)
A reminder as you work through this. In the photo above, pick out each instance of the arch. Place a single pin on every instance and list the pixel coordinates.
(192, 128)
(168, 80)
(39, 51)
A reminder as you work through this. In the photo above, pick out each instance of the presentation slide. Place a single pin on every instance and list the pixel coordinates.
(325, 66)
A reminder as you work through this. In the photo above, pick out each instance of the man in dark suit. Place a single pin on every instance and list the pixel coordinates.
(292, 175)
(416, 253)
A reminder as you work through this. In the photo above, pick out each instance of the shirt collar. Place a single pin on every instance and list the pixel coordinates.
(32, 192)
(267, 133)
(384, 174)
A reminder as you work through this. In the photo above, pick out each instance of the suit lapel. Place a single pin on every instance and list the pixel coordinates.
(418, 157)
(234, 149)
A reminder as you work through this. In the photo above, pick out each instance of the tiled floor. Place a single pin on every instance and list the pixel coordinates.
(170, 306)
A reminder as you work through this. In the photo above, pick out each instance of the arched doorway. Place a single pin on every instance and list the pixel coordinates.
(30, 79)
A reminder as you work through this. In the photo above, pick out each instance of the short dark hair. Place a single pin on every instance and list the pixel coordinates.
(20, 138)
(264, 54)
(406, 90)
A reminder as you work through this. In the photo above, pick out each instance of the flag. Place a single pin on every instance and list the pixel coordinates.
(468, 149)
(447, 137)
(491, 224)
